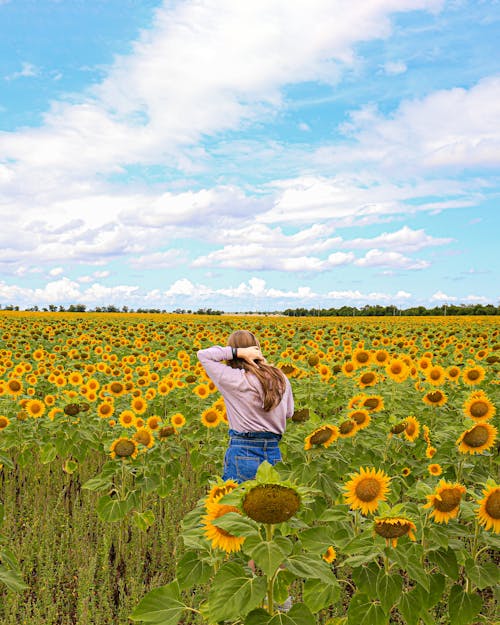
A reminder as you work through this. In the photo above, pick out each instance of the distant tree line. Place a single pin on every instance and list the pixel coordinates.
(343, 311)
(390, 311)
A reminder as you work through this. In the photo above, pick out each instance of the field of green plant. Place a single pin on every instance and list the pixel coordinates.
(384, 510)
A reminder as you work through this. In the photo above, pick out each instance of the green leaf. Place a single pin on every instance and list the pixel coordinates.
(192, 571)
(363, 611)
(12, 579)
(47, 453)
(436, 589)
(299, 614)
(318, 595)
(483, 575)
(365, 578)
(388, 589)
(258, 617)
(410, 605)
(446, 561)
(463, 606)
(70, 466)
(236, 524)
(234, 594)
(266, 473)
(144, 520)
(162, 606)
(410, 559)
(268, 555)
(435, 534)
(309, 566)
(100, 482)
(317, 539)
(6, 461)
(164, 487)
(111, 509)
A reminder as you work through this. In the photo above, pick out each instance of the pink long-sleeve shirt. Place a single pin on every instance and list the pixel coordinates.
(243, 395)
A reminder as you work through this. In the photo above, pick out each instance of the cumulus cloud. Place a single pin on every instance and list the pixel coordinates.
(395, 260)
(395, 67)
(27, 70)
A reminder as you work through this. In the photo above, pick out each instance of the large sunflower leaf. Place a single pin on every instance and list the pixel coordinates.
(299, 614)
(268, 555)
(388, 589)
(318, 595)
(463, 606)
(233, 593)
(161, 606)
(363, 611)
(191, 570)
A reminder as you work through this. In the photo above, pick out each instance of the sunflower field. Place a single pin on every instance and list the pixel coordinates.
(385, 509)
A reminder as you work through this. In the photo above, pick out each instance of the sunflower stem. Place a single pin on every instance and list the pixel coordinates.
(270, 581)
(474, 551)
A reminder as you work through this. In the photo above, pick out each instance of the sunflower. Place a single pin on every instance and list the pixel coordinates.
(412, 428)
(271, 503)
(435, 469)
(219, 537)
(392, 528)
(347, 428)
(430, 451)
(406, 472)
(435, 374)
(489, 508)
(348, 368)
(35, 408)
(453, 373)
(477, 439)
(368, 378)
(202, 390)
(14, 387)
(479, 407)
(366, 489)
(325, 435)
(127, 418)
(473, 375)
(356, 400)
(219, 490)
(374, 403)
(397, 370)
(105, 410)
(124, 448)
(361, 417)
(210, 418)
(144, 437)
(445, 501)
(4, 422)
(381, 357)
(435, 398)
(361, 357)
(153, 423)
(116, 388)
(178, 420)
(139, 405)
(330, 555)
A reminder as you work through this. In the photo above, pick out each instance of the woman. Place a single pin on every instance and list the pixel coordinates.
(258, 400)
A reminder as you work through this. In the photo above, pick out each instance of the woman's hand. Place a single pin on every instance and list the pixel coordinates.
(250, 354)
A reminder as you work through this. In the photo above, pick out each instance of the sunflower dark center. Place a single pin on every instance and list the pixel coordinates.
(371, 403)
(435, 397)
(271, 503)
(410, 428)
(476, 437)
(478, 409)
(321, 436)
(435, 374)
(124, 449)
(367, 489)
(359, 417)
(473, 374)
(492, 506)
(363, 357)
(450, 498)
(396, 369)
(392, 530)
(346, 426)
(366, 378)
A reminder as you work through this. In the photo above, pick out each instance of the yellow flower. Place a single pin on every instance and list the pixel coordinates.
(127, 418)
(35, 408)
(219, 490)
(177, 420)
(366, 490)
(477, 439)
(325, 436)
(124, 448)
(210, 418)
(479, 407)
(144, 437)
(412, 428)
(330, 555)
(489, 509)
(392, 528)
(435, 398)
(219, 538)
(4, 422)
(105, 410)
(435, 469)
(473, 375)
(361, 418)
(445, 501)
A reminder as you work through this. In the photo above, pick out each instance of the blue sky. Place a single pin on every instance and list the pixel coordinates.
(249, 156)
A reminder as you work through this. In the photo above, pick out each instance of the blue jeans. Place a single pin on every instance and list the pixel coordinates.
(246, 451)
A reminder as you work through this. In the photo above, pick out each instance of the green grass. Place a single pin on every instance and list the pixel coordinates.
(79, 570)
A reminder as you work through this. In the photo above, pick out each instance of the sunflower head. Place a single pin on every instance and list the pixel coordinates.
(477, 439)
(300, 416)
(489, 508)
(479, 407)
(271, 503)
(445, 501)
(323, 436)
(124, 448)
(366, 489)
(219, 537)
(392, 528)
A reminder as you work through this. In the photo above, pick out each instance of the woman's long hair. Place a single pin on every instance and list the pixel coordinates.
(271, 378)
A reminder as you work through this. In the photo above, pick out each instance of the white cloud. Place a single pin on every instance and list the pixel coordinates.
(395, 67)
(159, 260)
(403, 240)
(394, 260)
(439, 296)
(56, 271)
(27, 70)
